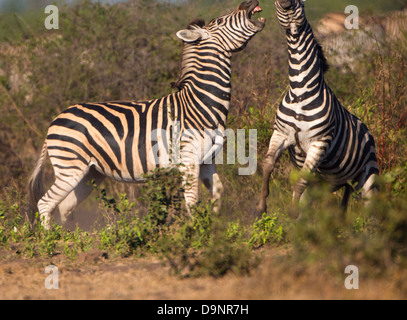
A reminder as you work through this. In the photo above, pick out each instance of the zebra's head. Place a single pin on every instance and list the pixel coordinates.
(291, 15)
(230, 31)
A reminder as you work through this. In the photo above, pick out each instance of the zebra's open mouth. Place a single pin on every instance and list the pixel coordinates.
(251, 11)
(254, 11)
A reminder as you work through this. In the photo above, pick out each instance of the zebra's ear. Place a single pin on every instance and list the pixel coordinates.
(192, 35)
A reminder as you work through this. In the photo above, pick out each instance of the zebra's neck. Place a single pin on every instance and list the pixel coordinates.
(205, 80)
(306, 70)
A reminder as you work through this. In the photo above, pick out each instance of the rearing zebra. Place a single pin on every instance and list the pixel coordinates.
(319, 133)
(96, 140)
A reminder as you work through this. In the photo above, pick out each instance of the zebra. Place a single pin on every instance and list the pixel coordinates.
(91, 141)
(320, 134)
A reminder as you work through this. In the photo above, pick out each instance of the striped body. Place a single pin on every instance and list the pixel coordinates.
(319, 133)
(119, 138)
(126, 140)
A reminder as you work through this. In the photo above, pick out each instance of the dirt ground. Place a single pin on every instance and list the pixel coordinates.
(95, 276)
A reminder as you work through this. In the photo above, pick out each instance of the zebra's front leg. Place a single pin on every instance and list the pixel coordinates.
(211, 180)
(190, 184)
(278, 144)
(314, 157)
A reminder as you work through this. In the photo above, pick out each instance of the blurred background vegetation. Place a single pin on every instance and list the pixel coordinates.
(106, 51)
(127, 50)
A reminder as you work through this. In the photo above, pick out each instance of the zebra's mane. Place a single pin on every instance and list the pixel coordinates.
(196, 23)
(322, 58)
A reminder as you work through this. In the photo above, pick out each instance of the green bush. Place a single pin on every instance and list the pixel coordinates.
(268, 229)
(203, 246)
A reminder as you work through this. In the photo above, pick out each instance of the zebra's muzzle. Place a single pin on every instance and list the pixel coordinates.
(285, 4)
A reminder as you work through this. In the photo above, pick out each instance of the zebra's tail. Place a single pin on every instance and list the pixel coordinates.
(35, 184)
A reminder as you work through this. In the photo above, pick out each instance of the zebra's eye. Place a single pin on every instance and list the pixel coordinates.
(219, 21)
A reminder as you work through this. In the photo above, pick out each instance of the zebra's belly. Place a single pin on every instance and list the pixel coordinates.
(330, 175)
(333, 167)
(333, 179)
(163, 154)
(301, 141)
(138, 177)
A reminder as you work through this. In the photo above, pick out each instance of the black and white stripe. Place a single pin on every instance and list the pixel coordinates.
(120, 140)
(319, 133)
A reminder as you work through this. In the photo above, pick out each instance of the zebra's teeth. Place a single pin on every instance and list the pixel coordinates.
(257, 9)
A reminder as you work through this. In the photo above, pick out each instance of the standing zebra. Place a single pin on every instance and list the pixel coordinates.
(117, 139)
(320, 135)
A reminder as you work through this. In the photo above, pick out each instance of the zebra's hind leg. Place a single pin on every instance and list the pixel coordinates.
(348, 189)
(346, 197)
(79, 194)
(368, 185)
(65, 182)
(211, 180)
